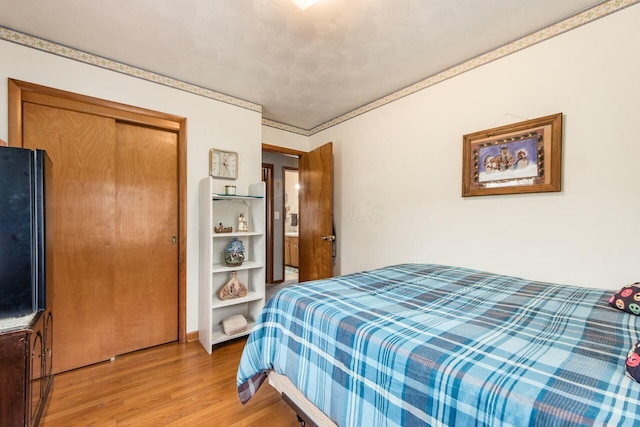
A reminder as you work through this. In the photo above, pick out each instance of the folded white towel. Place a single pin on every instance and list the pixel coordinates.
(234, 324)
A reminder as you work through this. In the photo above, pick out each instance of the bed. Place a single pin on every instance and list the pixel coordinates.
(424, 344)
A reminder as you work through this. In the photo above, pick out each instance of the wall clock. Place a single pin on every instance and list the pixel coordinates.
(223, 164)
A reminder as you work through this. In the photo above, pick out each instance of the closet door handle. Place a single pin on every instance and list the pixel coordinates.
(330, 237)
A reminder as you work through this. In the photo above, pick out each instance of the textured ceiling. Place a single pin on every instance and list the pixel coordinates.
(304, 67)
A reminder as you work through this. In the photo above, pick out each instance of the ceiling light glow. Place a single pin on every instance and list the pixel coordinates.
(303, 4)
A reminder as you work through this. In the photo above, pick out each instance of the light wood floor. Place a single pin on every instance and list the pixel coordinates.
(169, 385)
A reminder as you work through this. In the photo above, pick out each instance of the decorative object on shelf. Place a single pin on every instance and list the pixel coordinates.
(234, 253)
(223, 164)
(233, 289)
(522, 157)
(242, 223)
(222, 229)
(234, 324)
(230, 190)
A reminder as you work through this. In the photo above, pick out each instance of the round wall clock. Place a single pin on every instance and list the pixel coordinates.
(223, 164)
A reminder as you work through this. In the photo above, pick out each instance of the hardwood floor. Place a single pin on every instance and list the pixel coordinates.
(173, 384)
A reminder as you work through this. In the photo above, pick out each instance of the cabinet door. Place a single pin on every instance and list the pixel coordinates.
(287, 250)
(13, 377)
(293, 248)
(48, 348)
(36, 368)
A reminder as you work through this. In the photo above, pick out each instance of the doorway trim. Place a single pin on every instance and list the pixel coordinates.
(285, 169)
(267, 177)
(20, 91)
(270, 241)
(282, 150)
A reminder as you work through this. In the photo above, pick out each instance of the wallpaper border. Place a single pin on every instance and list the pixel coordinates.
(27, 40)
(547, 33)
(561, 27)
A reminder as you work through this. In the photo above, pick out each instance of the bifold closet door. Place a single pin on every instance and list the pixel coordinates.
(115, 259)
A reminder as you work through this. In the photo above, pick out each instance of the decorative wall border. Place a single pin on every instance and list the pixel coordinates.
(575, 21)
(288, 128)
(547, 33)
(119, 67)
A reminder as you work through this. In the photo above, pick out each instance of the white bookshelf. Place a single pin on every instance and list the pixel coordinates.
(214, 273)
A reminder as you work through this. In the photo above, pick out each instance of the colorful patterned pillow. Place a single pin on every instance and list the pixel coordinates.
(627, 299)
(633, 362)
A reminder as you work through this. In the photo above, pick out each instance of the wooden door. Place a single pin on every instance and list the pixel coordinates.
(146, 259)
(316, 214)
(116, 226)
(84, 225)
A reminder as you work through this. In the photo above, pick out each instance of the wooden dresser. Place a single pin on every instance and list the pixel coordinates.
(25, 369)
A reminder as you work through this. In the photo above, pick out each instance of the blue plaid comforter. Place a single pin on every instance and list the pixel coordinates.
(416, 345)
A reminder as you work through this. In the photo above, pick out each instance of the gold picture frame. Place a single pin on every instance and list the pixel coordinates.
(524, 157)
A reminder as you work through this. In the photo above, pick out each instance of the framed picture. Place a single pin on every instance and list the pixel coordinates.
(523, 157)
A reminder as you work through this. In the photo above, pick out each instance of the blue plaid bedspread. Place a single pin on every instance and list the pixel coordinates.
(416, 345)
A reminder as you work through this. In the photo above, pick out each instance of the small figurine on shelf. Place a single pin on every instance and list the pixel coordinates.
(242, 223)
(233, 289)
(234, 253)
(222, 229)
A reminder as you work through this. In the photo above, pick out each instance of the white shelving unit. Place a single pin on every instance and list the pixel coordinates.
(214, 273)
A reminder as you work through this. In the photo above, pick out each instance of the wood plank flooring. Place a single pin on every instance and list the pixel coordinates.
(169, 385)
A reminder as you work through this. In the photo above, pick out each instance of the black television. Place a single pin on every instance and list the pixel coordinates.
(25, 230)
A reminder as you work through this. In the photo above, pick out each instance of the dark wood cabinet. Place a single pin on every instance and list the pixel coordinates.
(25, 370)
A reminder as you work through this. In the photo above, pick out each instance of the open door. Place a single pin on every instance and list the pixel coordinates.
(316, 214)
(267, 177)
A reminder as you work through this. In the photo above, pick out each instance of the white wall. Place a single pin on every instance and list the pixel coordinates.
(398, 168)
(280, 138)
(209, 124)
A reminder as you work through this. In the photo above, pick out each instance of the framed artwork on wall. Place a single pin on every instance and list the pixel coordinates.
(524, 157)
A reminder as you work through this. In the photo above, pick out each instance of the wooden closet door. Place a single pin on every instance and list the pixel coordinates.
(116, 213)
(146, 268)
(81, 147)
